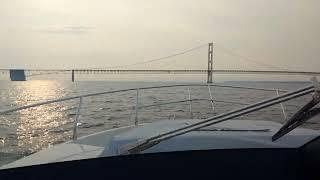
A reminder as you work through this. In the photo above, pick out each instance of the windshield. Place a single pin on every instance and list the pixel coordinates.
(72, 69)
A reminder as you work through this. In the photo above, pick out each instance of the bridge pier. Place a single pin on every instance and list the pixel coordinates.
(210, 61)
(72, 75)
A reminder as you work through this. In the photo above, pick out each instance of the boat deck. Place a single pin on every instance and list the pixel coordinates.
(233, 134)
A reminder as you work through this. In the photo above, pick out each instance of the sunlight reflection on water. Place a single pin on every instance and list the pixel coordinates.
(34, 124)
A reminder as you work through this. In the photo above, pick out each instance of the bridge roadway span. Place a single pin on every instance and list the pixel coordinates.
(177, 71)
(35, 72)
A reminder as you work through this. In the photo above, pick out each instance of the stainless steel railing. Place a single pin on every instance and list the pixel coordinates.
(137, 106)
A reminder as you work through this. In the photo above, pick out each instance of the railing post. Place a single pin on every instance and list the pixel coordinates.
(75, 124)
(190, 103)
(136, 108)
(173, 116)
(209, 89)
(282, 108)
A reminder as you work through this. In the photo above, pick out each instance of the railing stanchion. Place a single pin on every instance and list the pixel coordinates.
(136, 108)
(282, 108)
(190, 103)
(76, 121)
(209, 89)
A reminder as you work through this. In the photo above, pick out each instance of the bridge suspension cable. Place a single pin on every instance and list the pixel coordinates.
(245, 58)
(227, 50)
(157, 59)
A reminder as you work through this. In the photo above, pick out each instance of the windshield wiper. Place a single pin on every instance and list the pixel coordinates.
(305, 113)
(294, 122)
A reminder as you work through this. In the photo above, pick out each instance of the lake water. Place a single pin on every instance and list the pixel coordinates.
(27, 131)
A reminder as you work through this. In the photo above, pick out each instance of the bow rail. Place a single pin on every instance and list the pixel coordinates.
(137, 107)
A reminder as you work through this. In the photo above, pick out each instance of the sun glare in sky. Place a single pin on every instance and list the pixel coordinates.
(98, 34)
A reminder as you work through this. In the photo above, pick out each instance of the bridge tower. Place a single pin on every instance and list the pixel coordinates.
(210, 61)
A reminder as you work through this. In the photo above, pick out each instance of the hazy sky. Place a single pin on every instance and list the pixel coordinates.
(103, 33)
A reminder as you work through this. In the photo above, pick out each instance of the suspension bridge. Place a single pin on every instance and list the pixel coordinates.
(21, 74)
